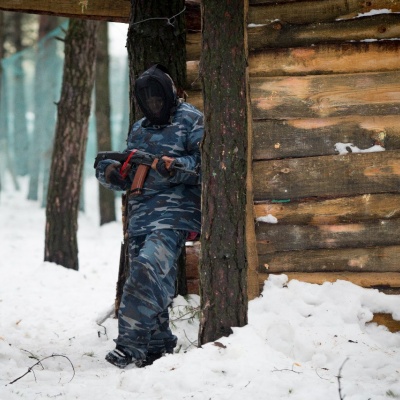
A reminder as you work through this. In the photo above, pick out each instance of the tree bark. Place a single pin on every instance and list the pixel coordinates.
(103, 118)
(223, 245)
(156, 35)
(61, 244)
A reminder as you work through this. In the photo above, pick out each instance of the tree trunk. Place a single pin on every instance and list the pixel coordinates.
(156, 35)
(159, 40)
(223, 283)
(103, 120)
(70, 144)
(43, 101)
(21, 141)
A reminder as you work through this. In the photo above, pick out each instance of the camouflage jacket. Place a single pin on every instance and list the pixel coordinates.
(166, 203)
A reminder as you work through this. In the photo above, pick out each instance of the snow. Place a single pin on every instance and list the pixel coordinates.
(298, 338)
(344, 148)
(269, 219)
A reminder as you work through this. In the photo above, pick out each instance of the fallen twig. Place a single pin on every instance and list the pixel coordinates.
(339, 377)
(39, 362)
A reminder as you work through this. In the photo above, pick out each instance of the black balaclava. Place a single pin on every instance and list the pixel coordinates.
(156, 95)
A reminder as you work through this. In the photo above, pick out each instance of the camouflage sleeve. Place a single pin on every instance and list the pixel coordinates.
(192, 161)
(100, 174)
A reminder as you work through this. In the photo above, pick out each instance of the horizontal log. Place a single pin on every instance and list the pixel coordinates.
(305, 12)
(195, 97)
(106, 10)
(342, 210)
(387, 320)
(377, 259)
(260, 12)
(193, 286)
(327, 176)
(335, 58)
(365, 279)
(325, 58)
(320, 96)
(273, 238)
(279, 34)
(193, 46)
(192, 261)
(318, 136)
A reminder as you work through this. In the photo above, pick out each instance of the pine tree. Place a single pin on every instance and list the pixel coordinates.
(73, 113)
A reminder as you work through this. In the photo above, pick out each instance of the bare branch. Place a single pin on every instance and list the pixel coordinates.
(339, 377)
(39, 362)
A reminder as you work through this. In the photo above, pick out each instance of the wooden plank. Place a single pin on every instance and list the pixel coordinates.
(333, 211)
(319, 96)
(195, 97)
(387, 320)
(280, 35)
(275, 238)
(365, 279)
(325, 58)
(342, 210)
(377, 259)
(305, 12)
(193, 46)
(318, 136)
(288, 11)
(251, 241)
(320, 59)
(106, 10)
(327, 176)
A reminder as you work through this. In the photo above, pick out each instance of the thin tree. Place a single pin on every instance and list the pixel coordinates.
(43, 102)
(21, 139)
(3, 137)
(6, 154)
(223, 271)
(73, 112)
(103, 120)
(156, 34)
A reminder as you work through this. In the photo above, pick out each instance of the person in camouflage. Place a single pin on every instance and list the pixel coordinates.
(160, 217)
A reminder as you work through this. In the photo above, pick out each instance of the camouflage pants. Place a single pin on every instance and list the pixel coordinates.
(143, 319)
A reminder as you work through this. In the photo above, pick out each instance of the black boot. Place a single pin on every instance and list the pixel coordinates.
(120, 358)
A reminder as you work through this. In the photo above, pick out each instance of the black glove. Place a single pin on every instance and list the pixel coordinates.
(161, 168)
(113, 176)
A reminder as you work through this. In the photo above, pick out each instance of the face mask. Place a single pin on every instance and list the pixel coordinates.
(156, 95)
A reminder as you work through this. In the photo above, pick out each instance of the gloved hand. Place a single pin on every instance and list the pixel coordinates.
(113, 176)
(164, 166)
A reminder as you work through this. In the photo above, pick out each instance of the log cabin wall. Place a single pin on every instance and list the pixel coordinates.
(325, 92)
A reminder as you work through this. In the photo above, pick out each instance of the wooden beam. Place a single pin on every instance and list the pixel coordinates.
(318, 136)
(375, 259)
(327, 176)
(273, 238)
(386, 320)
(326, 95)
(279, 35)
(251, 241)
(105, 10)
(343, 210)
(366, 279)
(325, 58)
(108, 10)
(309, 11)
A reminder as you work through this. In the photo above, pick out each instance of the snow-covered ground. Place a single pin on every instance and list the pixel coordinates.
(298, 338)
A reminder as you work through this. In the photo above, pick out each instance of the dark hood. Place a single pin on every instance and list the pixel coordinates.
(156, 95)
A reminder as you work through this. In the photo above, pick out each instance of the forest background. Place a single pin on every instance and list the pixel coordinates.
(31, 77)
